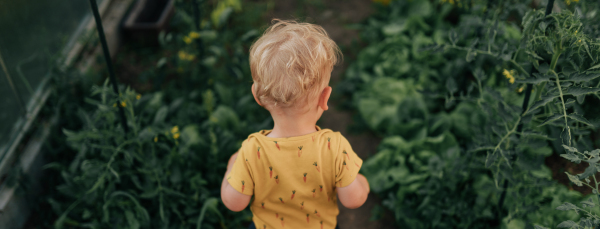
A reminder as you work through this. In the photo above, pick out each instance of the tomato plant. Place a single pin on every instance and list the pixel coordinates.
(491, 56)
(167, 170)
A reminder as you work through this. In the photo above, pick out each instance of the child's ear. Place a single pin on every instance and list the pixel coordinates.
(254, 94)
(324, 98)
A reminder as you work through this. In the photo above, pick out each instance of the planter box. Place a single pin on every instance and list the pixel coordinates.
(148, 18)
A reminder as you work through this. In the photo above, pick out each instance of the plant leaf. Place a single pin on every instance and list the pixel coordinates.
(161, 114)
(594, 67)
(583, 77)
(534, 55)
(470, 56)
(451, 85)
(566, 207)
(540, 103)
(481, 148)
(570, 149)
(574, 179)
(571, 158)
(210, 203)
(536, 136)
(577, 91)
(538, 78)
(589, 202)
(567, 224)
(589, 171)
(551, 119)
(581, 119)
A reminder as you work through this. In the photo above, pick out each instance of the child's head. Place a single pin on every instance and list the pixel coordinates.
(291, 64)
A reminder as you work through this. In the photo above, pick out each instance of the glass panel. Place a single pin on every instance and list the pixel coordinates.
(32, 32)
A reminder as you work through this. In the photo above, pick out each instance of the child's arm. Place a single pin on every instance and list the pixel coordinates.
(354, 195)
(233, 199)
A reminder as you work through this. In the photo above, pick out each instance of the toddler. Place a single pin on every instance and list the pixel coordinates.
(296, 171)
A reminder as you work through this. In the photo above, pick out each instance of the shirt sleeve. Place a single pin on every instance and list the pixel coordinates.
(347, 163)
(240, 177)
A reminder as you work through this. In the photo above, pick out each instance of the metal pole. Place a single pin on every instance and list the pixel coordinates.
(111, 70)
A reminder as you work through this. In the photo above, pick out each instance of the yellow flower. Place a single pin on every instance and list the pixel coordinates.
(187, 40)
(450, 1)
(185, 56)
(175, 129)
(176, 135)
(383, 2)
(194, 35)
(521, 89)
(579, 40)
(509, 75)
(156, 139)
(123, 104)
(569, 1)
(138, 96)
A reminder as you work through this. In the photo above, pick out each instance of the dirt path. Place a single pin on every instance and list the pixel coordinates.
(334, 16)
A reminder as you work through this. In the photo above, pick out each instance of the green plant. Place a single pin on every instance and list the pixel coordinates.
(563, 61)
(590, 217)
(157, 175)
(474, 96)
(166, 172)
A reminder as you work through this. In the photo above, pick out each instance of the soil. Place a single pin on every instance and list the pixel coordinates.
(334, 16)
(560, 165)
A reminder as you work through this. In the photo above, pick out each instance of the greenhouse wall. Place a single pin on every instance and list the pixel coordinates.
(35, 37)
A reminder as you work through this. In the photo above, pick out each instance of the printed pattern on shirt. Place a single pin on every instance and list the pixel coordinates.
(294, 180)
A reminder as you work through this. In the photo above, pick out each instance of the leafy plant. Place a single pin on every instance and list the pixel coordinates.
(482, 86)
(590, 218)
(154, 176)
(562, 60)
(168, 170)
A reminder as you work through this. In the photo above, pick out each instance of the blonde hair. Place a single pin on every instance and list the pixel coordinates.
(292, 62)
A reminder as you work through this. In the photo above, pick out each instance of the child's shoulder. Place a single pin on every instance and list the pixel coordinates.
(327, 135)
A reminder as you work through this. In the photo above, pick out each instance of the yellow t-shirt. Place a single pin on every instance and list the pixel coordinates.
(293, 180)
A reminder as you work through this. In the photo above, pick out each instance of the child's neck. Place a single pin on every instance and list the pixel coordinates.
(292, 125)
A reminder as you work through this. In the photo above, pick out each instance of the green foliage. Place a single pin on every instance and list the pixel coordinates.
(167, 171)
(589, 208)
(468, 72)
(158, 174)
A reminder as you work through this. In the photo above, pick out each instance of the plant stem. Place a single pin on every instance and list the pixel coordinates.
(549, 7)
(563, 105)
(521, 69)
(513, 130)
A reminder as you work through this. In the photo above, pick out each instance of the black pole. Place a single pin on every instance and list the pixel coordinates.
(196, 11)
(111, 71)
(525, 105)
